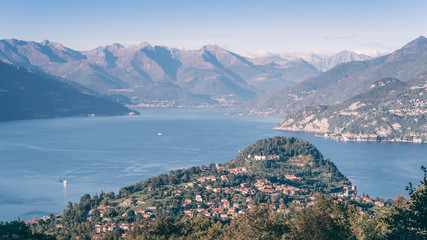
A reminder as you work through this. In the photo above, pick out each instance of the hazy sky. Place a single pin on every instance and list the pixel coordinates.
(275, 25)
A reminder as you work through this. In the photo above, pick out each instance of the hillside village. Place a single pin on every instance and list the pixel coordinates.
(217, 192)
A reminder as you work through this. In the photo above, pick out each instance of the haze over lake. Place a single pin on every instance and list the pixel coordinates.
(107, 153)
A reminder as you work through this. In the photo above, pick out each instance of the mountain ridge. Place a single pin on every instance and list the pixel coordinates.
(322, 62)
(156, 75)
(344, 81)
(325, 64)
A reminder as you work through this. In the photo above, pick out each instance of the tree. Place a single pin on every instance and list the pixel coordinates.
(259, 223)
(19, 230)
(199, 228)
(325, 220)
(69, 206)
(418, 206)
(398, 220)
(370, 228)
(408, 219)
(85, 198)
(163, 228)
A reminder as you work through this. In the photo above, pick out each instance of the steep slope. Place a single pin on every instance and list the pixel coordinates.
(154, 75)
(390, 110)
(345, 80)
(26, 94)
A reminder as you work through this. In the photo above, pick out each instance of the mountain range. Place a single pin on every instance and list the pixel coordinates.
(146, 75)
(27, 94)
(152, 76)
(325, 64)
(390, 110)
(344, 81)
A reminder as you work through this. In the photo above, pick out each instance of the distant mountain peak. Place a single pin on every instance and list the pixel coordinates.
(45, 42)
(140, 46)
(213, 48)
(420, 39)
(345, 52)
(349, 54)
(419, 43)
(14, 41)
(413, 48)
(115, 46)
(144, 45)
(49, 43)
(299, 60)
(109, 48)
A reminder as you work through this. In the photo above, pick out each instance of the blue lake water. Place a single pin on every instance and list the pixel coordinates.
(107, 153)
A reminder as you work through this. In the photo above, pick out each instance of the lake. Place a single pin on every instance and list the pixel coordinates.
(107, 153)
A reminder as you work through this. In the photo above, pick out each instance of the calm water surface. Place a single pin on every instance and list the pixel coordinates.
(107, 153)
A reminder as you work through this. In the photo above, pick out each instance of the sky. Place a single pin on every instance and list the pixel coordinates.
(327, 26)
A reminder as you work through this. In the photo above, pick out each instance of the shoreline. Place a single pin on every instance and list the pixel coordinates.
(346, 139)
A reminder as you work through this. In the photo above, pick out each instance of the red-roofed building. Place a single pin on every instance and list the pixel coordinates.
(212, 178)
(217, 209)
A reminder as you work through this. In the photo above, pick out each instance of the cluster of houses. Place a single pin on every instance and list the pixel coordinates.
(225, 208)
(109, 227)
(367, 200)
